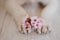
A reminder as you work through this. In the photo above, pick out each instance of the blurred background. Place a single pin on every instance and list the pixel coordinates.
(8, 29)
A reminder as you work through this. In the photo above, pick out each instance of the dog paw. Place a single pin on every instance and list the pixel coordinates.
(45, 30)
(38, 31)
(26, 25)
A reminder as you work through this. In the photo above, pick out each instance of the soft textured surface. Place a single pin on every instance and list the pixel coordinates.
(10, 31)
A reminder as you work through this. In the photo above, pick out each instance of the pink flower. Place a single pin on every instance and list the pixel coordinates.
(37, 22)
(34, 21)
(27, 23)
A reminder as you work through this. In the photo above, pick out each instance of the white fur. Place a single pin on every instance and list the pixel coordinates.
(18, 12)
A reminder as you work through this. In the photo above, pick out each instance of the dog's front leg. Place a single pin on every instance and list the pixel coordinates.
(17, 12)
(50, 11)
